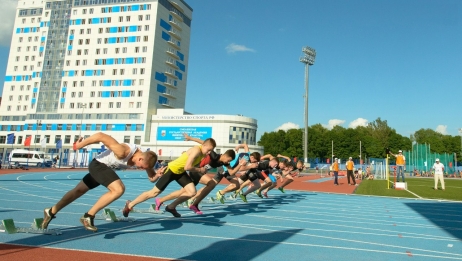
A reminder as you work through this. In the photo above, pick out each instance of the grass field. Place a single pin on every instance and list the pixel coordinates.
(422, 187)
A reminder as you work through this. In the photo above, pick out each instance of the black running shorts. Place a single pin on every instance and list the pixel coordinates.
(219, 176)
(195, 177)
(100, 174)
(183, 179)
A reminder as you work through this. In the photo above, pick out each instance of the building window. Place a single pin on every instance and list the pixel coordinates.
(126, 139)
(137, 140)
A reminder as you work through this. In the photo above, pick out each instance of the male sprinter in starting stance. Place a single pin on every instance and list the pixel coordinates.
(231, 177)
(211, 161)
(118, 155)
(176, 170)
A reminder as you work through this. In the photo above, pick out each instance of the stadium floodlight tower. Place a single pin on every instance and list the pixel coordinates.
(309, 54)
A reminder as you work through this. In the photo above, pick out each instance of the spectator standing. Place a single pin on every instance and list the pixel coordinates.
(350, 165)
(400, 163)
(439, 171)
(335, 169)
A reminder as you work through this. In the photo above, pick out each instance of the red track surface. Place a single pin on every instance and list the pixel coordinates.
(20, 253)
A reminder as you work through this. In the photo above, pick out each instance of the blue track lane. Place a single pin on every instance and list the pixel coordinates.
(291, 226)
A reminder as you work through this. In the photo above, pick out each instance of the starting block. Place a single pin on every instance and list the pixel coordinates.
(8, 226)
(213, 200)
(151, 209)
(109, 215)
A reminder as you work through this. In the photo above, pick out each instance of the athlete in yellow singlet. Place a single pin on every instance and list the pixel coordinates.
(176, 170)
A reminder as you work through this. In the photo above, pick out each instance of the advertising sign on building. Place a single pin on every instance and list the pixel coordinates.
(176, 133)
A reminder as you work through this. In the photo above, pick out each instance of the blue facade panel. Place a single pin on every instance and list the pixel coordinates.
(127, 82)
(103, 127)
(160, 77)
(132, 39)
(106, 94)
(74, 127)
(110, 61)
(162, 100)
(78, 21)
(180, 55)
(106, 83)
(93, 127)
(135, 7)
(33, 100)
(8, 78)
(88, 73)
(129, 60)
(181, 66)
(125, 94)
(84, 126)
(62, 100)
(34, 126)
(71, 73)
(95, 20)
(132, 28)
(165, 36)
(133, 127)
(179, 75)
(118, 127)
(69, 47)
(54, 126)
(71, 37)
(165, 25)
(113, 30)
(64, 126)
(161, 88)
(64, 89)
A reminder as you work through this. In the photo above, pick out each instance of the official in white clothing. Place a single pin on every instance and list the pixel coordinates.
(439, 173)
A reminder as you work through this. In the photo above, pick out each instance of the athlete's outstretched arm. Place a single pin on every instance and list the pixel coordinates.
(242, 146)
(189, 138)
(120, 150)
(267, 156)
(284, 157)
(242, 162)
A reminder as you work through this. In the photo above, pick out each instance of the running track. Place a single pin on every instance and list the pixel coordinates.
(292, 226)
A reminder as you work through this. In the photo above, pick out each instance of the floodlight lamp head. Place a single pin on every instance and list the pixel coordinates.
(310, 55)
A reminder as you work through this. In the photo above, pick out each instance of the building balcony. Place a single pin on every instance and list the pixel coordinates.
(173, 44)
(171, 53)
(171, 73)
(171, 64)
(176, 25)
(168, 104)
(169, 85)
(175, 34)
(169, 93)
(176, 14)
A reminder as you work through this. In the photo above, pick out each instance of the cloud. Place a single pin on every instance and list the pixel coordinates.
(358, 122)
(232, 48)
(8, 14)
(287, 126)
(442, 129)
(332, 123)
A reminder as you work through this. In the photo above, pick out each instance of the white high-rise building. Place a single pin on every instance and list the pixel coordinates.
(93, 65)
(77, 67)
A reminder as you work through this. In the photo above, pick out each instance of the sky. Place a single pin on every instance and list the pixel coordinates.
(399, 60)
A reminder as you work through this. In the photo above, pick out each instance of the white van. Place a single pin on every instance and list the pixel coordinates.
(29, 157)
